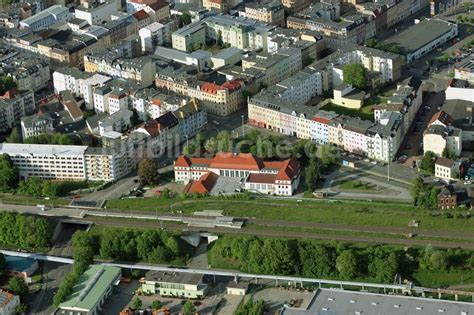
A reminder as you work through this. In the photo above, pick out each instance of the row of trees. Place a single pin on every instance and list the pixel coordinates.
(83, 254)
(46, 138)
(378, 263)
(154, 246)
(22, 231)
(37, 187)
(251, 307)
(390, 47)
(8, 173)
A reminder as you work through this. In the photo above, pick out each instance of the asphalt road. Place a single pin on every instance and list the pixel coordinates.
(41, 303)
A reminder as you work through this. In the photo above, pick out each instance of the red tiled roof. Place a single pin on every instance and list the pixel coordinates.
(232, 84)
(290, 169)
(152, 127)
(202, 185)
(262, 178)
(141, 15)
(242, 161)
(321, 120)
(209, 87)
(11, 93)
(443, 117)
(182, 161)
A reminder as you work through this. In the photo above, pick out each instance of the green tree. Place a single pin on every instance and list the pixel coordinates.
(312, 174)
(14, 136)
(156, 305)
(190, 148)
(148, 172)
(433, 198)
(355, 75)
(185, 19)
(3, 265)
(137, 304)
(317, 261)
(50, 189)
(6, 82)
(219, 38)
(224, 143)
(8, 173)
(327, 155)
(428, 162)
(439, 260)
(32, 186)
(346, 265)
(448, 154)
(21, 308)
(251, 307)
(384, 266)
(83, 251)
(189, 308)
(416, 189)
(18, 286)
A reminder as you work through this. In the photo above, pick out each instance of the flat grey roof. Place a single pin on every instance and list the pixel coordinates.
(340, 302)
(174, 277)
(419, 35)
(42, 149)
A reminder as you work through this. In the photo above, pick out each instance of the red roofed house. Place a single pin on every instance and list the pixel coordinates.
(157, 9)
(143, 18)
(223, 99)
(276, 177)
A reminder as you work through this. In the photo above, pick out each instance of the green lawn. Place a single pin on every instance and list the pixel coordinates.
(364, 113)
(356, 185)
(378, 214)
(436, 279)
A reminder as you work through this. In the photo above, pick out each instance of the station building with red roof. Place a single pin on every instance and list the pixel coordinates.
(254, 174)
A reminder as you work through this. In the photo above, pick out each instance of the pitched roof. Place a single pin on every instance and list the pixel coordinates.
(141, 15)
(202, 185)
(262, 178)
(228, 160)
(445, 162)
(290, 169)
(442, 117)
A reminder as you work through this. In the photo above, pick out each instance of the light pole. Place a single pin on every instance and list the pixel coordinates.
(243, 130)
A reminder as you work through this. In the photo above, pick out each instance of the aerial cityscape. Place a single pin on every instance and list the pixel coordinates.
(245, 157)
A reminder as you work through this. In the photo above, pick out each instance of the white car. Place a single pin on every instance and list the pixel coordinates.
(468, 182)
(215, 122)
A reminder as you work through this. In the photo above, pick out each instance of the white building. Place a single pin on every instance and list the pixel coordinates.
(28, 72)
(275, 178)
(118, 122)
(98, 13)
(464, 70)
(153, 35)
(88, 85)
(14, 105)
(101, 99)
(36, 125)
(68, 79)
(66, 162)
(117, 100)
(460, 90)
(46, 18)
(8, 303)
(446, 169)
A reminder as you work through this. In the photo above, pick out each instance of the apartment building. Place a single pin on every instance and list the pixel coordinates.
(154, 35)
(280, 178)
(141, 69)
(66, 162)
(190, 37)
(350, 30)
(97, 13)
(440, 136)
(29, 73)
(36, 125)
(192, 117)
(221, 6)
(238, 32)
(269, 12)
(446, 169)
(14, 105)
(218, 98)
(104, 164)
(271, 110)
(295, 5)
(117, 122)
(67, 78)
(46, 18)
